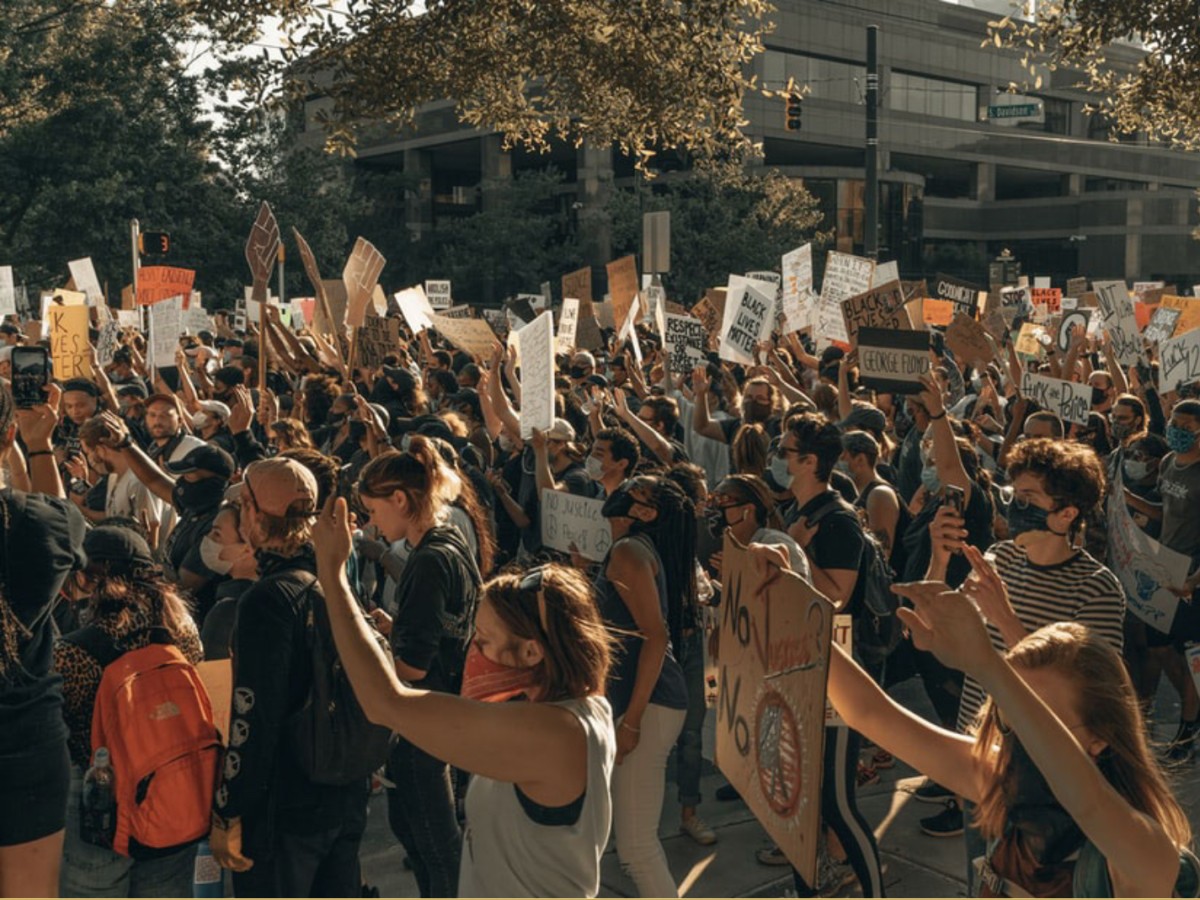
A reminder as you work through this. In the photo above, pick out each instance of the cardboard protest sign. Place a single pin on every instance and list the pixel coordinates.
(68, 329)
(572, 522)
(520, 307)
(438, 294)
(968, 341)
(937, 312)
(843, 636)
(262, 250)
(217, 675)
(578, 284)
(1069, 400)
(1076, 286)
(1162, 324)
(1190, 312)
(473, 336)
(604, 315)
(622, 287)
(462, 311)
(1142, 313)
(360, 276)
(376, 339)
(536, 345)
(415, 308)
(8, 295)
(1120, 321)
(335, 297)
(711, 311)
(1179, 361)
(881, 307)
(685, 341)
(893, 361)
(846, 276)
(966, 297)
(1032, 339)
(497, 320)
(1079, 318)
(798, 298)
(303, 311)
(1049, 298)
(748, 319)
(322, 318)
(773, 662)
(195, 318)
(166, 324)
(108, 342)
(159, 283)
(1147, 570)
(568, 323)
(83, 273)
(885, 272)
(1016, 303)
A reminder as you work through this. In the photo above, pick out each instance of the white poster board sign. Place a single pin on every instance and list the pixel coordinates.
(438, 294)
(8, 296)
(846, 276)
(1069, 400)
(568, 322)
(575, 523)
(749, 317)
(83, 273)
(415, 308)
(1120, 321)
(1179, 361)
(798, 299)
(536, 346)
(166, 324)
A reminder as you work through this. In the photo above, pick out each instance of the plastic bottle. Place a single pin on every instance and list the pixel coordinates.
(98, 809)
(207, 876)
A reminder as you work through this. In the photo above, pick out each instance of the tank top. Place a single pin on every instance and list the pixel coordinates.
(507, 854)
(670, 690)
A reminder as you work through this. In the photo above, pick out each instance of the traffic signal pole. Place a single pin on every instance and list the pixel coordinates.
(871, 201)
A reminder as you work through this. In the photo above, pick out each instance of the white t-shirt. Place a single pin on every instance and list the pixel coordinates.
(126, 497)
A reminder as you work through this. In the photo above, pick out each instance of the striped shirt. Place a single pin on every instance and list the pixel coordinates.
(1078, 590)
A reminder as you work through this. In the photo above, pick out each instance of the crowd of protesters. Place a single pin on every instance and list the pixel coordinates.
(382, 524)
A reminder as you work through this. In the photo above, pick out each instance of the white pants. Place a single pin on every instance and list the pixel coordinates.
(638, 787)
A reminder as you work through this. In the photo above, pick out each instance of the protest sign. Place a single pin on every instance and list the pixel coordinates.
(622, 287)
(892, 361)
(415, 308)
(83, 273)
(1049, 298)
(472, 336)
(711, 311)
(536, 346)
(166, 324)
(685, 341)
(1076, 286)
(335, 296)
(462, 311)
(497, 319)
(1031, 339)
(966, 297)
(968, 341)
(843, 636)
(773, 662)
(128, 318)
(69, 341)
(1069, 400)
(881, 307)
(1015, 303)
(377, 337)
(1079, 318)
(521, 309)
(885, 272)
(568, 323)
(1120, 321)
(8, 295)
(438, 294)
(195, 318)
(578, 284)
(1147, 570)
(846, 276)
(1142, 313)
(748, 319)
(303, 311)
(797, 288)
(322, 318)
(262, 250)
(1162, 324)
(1189, 312)
(570, 522)
(937, 312)
(158, 283)
(108, 341)
(360, 276)
(1142, 288)
(1179, 361)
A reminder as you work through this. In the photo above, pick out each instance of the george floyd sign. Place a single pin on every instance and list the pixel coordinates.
(893, 361)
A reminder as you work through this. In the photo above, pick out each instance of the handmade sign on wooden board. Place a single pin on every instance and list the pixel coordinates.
(262, 249)
(360, 276)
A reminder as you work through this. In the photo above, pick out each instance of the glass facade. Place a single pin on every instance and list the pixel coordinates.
(932, 97)
(828, 79)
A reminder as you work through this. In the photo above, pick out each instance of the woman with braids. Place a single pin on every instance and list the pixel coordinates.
(128, 603)
(408, 496)
(41, 542)
(646, 586)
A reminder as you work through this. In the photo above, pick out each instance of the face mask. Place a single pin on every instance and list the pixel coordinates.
(714, 521)
(594, 468)
(618, 505)
(756, 411)
(1136, 469)
(1180, 440)
(1122, 430)
(506, 443)
(780, 474)
(494, 682)
(1099, 395)
(199, 421)
(1023, 516)
(198, 496)
(930, 480)
(210, 555)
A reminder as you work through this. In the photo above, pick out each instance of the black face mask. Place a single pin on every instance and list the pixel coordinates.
(1046, 828)
(714, 520)
(1099, 395)
(619, 503)
(198, 496)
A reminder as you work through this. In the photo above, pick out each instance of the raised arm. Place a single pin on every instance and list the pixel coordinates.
(703, 423)
(658, 444)
(945, 450)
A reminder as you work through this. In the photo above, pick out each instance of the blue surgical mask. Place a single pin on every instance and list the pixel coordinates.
(780, 474)
(1136, 469)
(930, 480)
(1180, 440)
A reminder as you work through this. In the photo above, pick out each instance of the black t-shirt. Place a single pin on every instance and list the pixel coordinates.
(435, 602)
(978, 519)
(839, 542)
(43, 543)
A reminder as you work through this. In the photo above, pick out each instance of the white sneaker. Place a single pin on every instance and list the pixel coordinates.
(698, 831)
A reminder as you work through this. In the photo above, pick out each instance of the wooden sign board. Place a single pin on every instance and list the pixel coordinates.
(262, 250)
(578, 284)
(472, 336)
(881, 307)
(622, 287)
(360, 276)
(335, 296)
(773, 663)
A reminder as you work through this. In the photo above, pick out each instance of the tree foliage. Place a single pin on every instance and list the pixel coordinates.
(1158, 94)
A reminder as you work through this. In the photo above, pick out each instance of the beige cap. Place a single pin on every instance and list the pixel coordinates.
(281, 487)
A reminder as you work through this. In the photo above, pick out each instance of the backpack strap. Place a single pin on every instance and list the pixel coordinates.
(837, 504)
(93, 641)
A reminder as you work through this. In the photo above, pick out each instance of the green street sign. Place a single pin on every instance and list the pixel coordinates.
(1016, 111)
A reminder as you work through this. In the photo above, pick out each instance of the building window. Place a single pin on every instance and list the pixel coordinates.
(827, 79)
(932, 97)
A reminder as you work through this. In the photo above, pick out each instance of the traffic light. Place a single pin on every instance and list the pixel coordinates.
(791, 119)
(154, 243)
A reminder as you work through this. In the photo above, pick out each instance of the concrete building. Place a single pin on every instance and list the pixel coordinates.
(956, 185)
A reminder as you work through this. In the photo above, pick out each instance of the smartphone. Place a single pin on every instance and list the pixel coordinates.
(955, 498)
(30, 374)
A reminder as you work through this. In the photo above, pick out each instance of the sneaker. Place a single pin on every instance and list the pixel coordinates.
(1183, 745)
(727, 792)
(882, 759)
(947, 823)
(771, 856)
(695, 828)
(866, 775)
(832, 876)
(932, 792)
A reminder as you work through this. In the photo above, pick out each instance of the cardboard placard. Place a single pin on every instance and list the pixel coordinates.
(1076, 286)
(159, 283)
(462, 311)
(968, 341)
(1190, 308)
(108, 342)
(685, 340)
(1120, 321)
(846, 276)
(1032, 339)
(376, 339)
(622, 287)
(262, 251)
(472, 336)
(798, 298)
(711, 311)
(360, 276)
(1162, 324)
(1069, 400)
(568, 324)
(967, 298)
(415, 308)
(536, 346)
(885, 272)
(749, 317)
(773, 663)
(166, 324)
(893, 361)
(322, 317)
(1179, 361)
(335, 296)
(8, 294)
(304, 310)
(578, 284)
(438, 293)
(843, 636)
(882, 307)
(521, 309)
(83, 273)
(1050, 298)
(570, 521)
(217, 675)
(69, 349)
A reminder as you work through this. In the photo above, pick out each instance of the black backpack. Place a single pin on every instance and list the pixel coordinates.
(331, 737)
(877, 631)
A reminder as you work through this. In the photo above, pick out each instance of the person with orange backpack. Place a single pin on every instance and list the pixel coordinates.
(134, 705)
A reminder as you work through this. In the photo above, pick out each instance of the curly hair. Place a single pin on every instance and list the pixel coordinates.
(1070, 473)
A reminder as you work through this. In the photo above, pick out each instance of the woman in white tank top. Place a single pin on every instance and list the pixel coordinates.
(539, 808)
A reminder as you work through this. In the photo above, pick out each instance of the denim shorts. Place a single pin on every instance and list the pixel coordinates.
(33, 792)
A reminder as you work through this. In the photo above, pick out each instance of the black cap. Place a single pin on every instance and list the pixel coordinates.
(120, 547)
(9, 328)
(209, 458)
(81, 384)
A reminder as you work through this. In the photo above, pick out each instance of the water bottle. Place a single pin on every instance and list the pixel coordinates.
(98, 808)
(207, 875)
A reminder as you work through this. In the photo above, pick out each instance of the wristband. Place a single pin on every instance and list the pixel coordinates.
(32, 453)
(940, 415)
(629, 727)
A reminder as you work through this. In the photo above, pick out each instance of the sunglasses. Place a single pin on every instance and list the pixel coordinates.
(531, 586)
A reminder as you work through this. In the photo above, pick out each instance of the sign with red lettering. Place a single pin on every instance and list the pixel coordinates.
(159, 283)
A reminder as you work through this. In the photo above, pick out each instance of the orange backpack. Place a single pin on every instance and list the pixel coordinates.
(153, 714)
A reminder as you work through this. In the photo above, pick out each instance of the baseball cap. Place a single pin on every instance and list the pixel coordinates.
(161, 398)
(217, 408)
(281, 487)
(206, 458)
(137, 390)
(866, 417)
(561, 430)
(116, 544)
